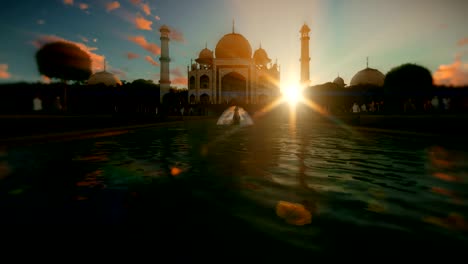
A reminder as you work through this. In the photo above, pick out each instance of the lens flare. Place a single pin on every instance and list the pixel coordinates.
(292, 94)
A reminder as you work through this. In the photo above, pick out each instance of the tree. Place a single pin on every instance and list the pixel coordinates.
(407, 81)
(64, 61)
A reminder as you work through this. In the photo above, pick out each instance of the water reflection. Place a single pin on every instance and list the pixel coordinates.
(293, 213)
(308, 185)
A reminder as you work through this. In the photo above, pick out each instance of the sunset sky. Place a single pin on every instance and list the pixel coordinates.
(432, 33)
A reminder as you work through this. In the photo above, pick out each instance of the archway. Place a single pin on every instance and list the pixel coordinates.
(192, 99)
(234, 87)
(192, 83)
(204, 99)
(204, 82)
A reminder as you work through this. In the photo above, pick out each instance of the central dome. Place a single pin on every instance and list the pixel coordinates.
(233, 45)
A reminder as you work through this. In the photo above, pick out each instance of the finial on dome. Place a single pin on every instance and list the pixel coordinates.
(104, 63)
(233, 25)
(367, 62)
(260, 44)
(206, 44)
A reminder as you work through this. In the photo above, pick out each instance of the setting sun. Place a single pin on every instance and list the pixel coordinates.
(292, 94)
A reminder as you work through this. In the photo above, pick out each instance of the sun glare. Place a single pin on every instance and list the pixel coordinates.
(292, 94)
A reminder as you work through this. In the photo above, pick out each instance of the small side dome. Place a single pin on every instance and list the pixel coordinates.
(368, 76)
(105, 78)
(261, 57)
(339, 81)
(205, 56)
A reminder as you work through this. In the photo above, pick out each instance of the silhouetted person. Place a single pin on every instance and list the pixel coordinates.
(236, 117)
(363, 107)
(356, 110)
(57, 105)
(37, 104)
(435, 103)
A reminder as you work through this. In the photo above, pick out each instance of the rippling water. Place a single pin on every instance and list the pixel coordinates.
(364, 190)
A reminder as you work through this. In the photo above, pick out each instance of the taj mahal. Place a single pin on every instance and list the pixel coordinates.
(232, 74)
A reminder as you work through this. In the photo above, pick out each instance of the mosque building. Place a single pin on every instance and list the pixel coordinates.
(233, 74)
(367, 76)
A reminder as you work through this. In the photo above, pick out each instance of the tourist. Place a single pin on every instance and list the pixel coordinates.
(57, 104)
(446, 104)
(37, 104)
(435, 103)
(363, 108)
(236, 116)
(356, 110)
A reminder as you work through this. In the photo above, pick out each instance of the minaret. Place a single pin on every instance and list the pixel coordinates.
(305, 59)
(164, 79)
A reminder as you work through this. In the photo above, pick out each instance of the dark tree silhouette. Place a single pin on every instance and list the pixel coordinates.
(64, 61)
(407, 81)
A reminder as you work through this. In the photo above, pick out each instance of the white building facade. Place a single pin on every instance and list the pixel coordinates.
(232, 74)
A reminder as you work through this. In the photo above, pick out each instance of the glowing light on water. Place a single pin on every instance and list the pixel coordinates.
(227, 118)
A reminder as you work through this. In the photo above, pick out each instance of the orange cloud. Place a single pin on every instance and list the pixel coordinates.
(462, 42)
(455, 74)
(4, 74)
(176, 35)
(112, 5)
(179, 77)
(68, 2)
(177, 72)
(150, 60)
(45, 79)
(179, 81)
(151, 47)
(131, 55)
(146, 9)
(135, 2)
(83, 6)
(97, 61)
(142, 23)
(157, 18)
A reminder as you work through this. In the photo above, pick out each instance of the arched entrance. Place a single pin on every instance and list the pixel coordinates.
(204, 82)
(192, 83)
(204, 99)
(234, 88)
